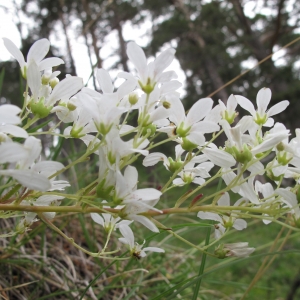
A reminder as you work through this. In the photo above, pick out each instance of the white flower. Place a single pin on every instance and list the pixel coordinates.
(36, 53)
(65, 89)
(151, 74)
(135, 201)
(190, 173)
(225, 221)
(8, 120)
(108, 221)
(233, 250)
(155, 157)
(190, 126)
(34, 175)
(261, 116)
(135, 249)
(228, 112)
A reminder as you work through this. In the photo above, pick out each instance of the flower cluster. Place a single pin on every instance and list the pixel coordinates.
(103, 121)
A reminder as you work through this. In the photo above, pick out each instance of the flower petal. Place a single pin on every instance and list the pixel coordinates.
(38, 51)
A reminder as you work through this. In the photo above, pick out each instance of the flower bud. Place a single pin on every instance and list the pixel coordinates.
(261, 120)
(233, 250)
(229, 118)
(166, 104)
(133, 98)
(280, 146)
(53, 82)
(148, 87)
(149, 129)
(103, 191)
(181, 131)
(39, 108)
(75, 132)
(188, 145)
(71, 106)
(242, 156)
(174, 165)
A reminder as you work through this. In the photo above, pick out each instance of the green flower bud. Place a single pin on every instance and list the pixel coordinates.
(280, 146)
(174, 165)
(181, 131)
(220, 252)
(144, 120)
(103, 191)
(117, 200)
(53, 82)
(148, 87)
(150, 128)
(284, 158)
(39, 108)
(229, 118)
(75, 132)
(133, 98)
(111, 158)
(243, 156)
(71, 106)
(188, 145)
(45, 79)
(187, 178)
(166, 104)
(261, 120)
(271, 175)
(104, 130)
(228, 224)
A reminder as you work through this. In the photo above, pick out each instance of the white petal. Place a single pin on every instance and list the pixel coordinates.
(263, 99)
(65, 89)
(177, 111)
(247, 191)
(48, 167)
(206, 127)
(154, 249)
(269, 143)
(219, 157)
(127, 234)
(224, 200)
(48, 63)
(145, 221)
(198, 180)
(104, 81)
(38, 51)
(97, 218)
(231, 104)
(131, 175)
(240, 224)
(153, 158)
(34, 79)
(166, 76)
(14, 130)
(163, 60)
(209, 216)
(29, 178)
(287, 197)
(178, 181)
(199, 110)
(170, 86)
(14, 51)
(245, 104)
(278, 108)
(147, 194)
(138, 58)
(12, 152)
